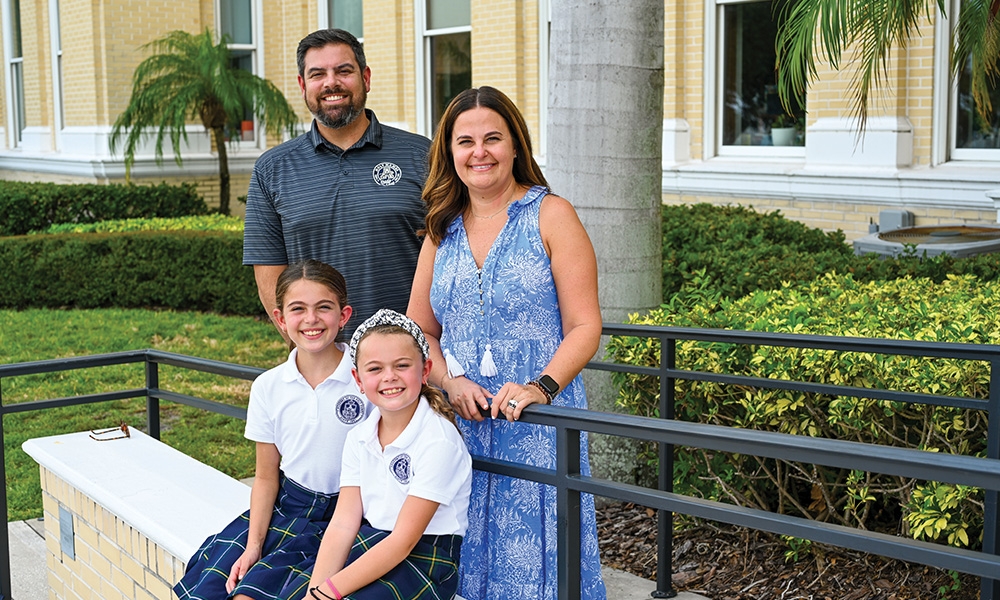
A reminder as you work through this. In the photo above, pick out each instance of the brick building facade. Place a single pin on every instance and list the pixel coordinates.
(68, 67)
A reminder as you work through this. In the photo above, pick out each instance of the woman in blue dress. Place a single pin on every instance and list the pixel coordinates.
(506, 292)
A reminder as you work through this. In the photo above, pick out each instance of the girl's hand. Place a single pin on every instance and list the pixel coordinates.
(513, 397)
(248, 559)
(467, 398)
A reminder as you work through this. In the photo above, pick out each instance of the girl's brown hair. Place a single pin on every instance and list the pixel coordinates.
(444, 193)
(312, 270)
(434, 396)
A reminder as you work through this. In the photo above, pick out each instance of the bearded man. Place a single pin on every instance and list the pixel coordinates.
(347, 192)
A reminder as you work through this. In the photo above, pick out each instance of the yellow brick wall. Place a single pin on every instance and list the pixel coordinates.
(852, 219)
(37, 65)
(389, 38)
(683, 85)
(112, 560)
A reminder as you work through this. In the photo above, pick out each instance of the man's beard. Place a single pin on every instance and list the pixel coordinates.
(343, 117)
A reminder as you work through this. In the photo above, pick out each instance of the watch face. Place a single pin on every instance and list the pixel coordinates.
(549, 384)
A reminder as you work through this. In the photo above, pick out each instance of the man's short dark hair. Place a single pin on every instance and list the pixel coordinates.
(325, 37)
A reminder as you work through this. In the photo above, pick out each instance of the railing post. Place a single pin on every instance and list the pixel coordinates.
(152, 404)
(568, 513)
(665, 519)
(5, 585)
(989, 589)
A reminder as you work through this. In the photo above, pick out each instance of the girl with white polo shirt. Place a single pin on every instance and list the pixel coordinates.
(299, 415)
(405, 481)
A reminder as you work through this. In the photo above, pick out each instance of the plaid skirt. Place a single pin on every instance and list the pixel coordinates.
(429, 572)
(299, 518)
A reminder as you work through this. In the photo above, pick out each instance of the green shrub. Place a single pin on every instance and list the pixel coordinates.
(958, 309)
(28, 207)
(732, 251)
(189, 270)
(741, 251)
(213, 222)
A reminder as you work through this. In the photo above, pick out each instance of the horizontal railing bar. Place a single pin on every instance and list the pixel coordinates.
(892, 460)
(205, 365)
(210, 405)
(546, 476)
(72, 401)
(821, 342)
(907, 549)
(72, 363)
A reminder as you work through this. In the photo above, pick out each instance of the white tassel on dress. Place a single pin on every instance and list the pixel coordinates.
(455, 368)
(488, 368)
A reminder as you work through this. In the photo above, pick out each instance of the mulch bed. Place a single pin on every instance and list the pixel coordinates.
(725, 562)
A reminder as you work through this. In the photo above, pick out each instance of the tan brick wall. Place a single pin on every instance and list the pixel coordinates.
(112, 560)
(852, 219)
(683, 84)
(389, 36)
(37, 64)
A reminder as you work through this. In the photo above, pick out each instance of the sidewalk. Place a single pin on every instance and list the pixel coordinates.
(29, 573)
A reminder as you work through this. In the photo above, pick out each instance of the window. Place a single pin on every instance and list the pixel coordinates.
(17, 120)
(345, 14)
(749, 111)
(971, 137)
(236, 19)
(447, 54)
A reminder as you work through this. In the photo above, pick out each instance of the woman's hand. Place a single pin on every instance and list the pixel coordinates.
(513, 397)
(467, 398)
(248, 559)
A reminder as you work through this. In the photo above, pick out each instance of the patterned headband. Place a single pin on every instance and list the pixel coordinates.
(388, 317)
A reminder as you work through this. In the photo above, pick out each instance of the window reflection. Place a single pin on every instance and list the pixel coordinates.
(971, 131)
(752, 114)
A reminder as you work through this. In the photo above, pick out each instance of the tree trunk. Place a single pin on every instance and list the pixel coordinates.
(604, 155)
(218, 134)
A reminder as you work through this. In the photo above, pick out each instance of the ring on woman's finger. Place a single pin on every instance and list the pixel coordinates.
(512, 403)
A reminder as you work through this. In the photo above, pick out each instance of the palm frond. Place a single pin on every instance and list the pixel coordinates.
(978, 48)
(871, 29)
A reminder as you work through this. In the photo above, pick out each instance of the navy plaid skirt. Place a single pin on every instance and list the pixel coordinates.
(430, 572)
(298, 521)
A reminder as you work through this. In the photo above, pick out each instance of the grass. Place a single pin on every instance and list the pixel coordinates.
(40, 334)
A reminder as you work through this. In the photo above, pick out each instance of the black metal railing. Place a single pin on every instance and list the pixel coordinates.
(570, 423)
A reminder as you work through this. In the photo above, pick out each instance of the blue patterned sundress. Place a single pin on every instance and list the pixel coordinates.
(509, 550)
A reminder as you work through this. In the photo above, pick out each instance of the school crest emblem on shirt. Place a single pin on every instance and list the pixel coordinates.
(350, 409)
(387, 173)
(400, 467)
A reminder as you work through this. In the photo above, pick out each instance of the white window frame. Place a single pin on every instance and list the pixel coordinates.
(945, 98)
(425, 125)
(55, 37)
(13, 94)
(256, 48)
(714, 104)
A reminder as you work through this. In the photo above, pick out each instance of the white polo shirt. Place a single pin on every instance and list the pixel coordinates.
(428, 460)
(307, 425)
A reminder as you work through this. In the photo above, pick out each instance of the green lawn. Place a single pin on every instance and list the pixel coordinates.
(40, 334)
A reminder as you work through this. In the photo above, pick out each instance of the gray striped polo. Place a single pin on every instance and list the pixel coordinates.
(357, 210)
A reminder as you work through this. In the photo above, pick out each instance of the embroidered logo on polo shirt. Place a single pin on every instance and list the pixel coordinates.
(350, 409)
(387, 173)
(400, 467)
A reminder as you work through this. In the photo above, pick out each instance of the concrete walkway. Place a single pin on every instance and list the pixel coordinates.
(29, 573)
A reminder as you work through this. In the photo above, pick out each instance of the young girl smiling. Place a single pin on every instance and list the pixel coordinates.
(299, 415)
(405, 480)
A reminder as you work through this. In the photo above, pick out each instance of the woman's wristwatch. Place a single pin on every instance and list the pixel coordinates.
(547, 386)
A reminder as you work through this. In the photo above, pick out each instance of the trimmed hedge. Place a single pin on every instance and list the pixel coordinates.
(184, 270)
(732, 251)
(957, 309)
(26, 207)
(212, 222)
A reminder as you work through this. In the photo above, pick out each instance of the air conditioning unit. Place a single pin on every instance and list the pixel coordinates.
(956, 240)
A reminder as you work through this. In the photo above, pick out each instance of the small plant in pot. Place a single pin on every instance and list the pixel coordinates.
(784, 130)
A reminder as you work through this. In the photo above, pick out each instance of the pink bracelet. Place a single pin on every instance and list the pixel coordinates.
(333, 588)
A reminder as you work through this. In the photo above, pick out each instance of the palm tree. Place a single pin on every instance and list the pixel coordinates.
(874, 27)
(191, 76)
